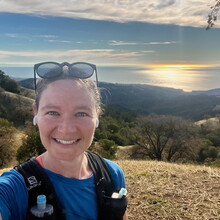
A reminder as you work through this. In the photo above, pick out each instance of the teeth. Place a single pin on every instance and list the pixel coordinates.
(66, 142)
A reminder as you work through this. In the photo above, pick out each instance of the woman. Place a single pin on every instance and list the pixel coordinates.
(66, 110)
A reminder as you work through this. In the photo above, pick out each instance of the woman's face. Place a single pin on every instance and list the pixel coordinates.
(66, 118)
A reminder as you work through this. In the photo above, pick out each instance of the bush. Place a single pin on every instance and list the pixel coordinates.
(210, 152)
(7, 142)
(105, 148)
(31, 146)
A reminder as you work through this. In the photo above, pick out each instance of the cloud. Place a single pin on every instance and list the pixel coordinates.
(179, 12)
(124, 43)
(46, 36)
(93, 55)
(161, 43)
(60, 41)
(121, 43)
(11, 35)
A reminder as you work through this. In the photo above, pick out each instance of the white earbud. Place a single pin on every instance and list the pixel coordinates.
(97, 123)
(35, 120)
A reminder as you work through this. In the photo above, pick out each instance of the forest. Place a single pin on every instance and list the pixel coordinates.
(157, 123)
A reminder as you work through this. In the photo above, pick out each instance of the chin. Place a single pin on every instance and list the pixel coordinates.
(67, 156)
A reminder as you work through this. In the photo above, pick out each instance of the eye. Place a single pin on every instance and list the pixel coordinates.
(52, 113)
(81, 114)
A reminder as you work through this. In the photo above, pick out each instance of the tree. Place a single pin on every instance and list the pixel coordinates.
(7, 142)
(8, 84)
(212, 17)
(113, 128)
(164, 137)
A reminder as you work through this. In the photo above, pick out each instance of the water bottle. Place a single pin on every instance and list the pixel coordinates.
(42, 208)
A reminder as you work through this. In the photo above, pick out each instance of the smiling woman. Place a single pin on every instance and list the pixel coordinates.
(78, 184)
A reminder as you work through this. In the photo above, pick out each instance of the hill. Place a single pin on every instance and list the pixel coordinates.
(159, 190)
(16, 107)
(165, 191)
(146, 99)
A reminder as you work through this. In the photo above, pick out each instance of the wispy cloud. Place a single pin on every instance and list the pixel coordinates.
(60, 41)
(162, 43)
(46, 36)
(124, 43)
(94, 55)
(11, 35)
(121, 43)
(179, 12)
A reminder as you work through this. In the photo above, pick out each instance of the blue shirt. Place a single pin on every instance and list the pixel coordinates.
(77, 196)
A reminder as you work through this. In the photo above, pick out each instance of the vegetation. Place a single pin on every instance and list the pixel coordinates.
(212, 17)
(8, 84)
(156, 124)
(7, 142)
(31, 145)
(167, 138)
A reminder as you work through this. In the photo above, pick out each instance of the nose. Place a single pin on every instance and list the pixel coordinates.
(67, 125)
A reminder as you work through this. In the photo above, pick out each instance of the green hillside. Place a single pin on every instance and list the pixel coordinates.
(16, 108)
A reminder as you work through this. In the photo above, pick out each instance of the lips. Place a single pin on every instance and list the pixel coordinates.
(66, 142)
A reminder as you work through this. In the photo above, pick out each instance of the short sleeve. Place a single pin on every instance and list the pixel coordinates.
(117, 174)
(13, 196)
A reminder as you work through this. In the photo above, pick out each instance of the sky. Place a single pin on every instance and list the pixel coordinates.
(161, 42)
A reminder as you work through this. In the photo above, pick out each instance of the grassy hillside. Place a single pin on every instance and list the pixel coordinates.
(16, 108)
(159, 190)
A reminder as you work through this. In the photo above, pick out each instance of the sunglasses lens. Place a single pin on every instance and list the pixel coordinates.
(81, 70)
(49, 70)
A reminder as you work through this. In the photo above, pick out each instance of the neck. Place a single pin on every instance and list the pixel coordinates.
(77, 168)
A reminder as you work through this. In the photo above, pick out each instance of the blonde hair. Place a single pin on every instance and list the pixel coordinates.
(88, 84)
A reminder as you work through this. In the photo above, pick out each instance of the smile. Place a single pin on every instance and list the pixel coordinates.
(66, 142)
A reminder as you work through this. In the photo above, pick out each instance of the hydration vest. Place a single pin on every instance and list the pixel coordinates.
(38, 182)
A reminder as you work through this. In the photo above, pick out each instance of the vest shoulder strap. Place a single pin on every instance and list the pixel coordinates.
(38, 183)
(109, 208)
(102, 175)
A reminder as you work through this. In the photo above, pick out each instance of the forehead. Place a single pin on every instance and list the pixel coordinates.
(66, 90)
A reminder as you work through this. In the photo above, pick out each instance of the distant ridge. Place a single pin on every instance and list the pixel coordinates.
(146, 99)
(215, 92)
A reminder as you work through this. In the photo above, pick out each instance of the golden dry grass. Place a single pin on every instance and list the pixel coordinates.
(159, 190)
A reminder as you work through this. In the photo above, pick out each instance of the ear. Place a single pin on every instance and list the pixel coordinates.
(99, 111)
(34, 107)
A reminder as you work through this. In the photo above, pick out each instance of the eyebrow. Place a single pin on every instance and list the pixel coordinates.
(49, 107)
(83, 107)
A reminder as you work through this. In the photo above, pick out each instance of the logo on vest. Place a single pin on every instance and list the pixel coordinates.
(33, 182)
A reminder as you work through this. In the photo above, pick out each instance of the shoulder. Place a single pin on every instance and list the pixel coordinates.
(117, 173)
(11, 177)
(13, 195)
(12, 182)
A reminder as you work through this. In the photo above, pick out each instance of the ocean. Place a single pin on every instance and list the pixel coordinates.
(185, 79)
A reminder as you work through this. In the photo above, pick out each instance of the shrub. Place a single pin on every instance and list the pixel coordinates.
(31, 145)
(7, 142)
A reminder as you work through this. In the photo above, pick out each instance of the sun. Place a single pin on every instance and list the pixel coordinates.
(177, 66)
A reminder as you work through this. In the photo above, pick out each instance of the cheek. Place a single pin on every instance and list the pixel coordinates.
(45, 127)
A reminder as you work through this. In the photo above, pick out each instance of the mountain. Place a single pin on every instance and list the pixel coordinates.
(215, 92)
(146, 99)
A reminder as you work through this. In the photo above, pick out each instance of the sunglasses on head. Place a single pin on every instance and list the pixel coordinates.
(49, 70)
